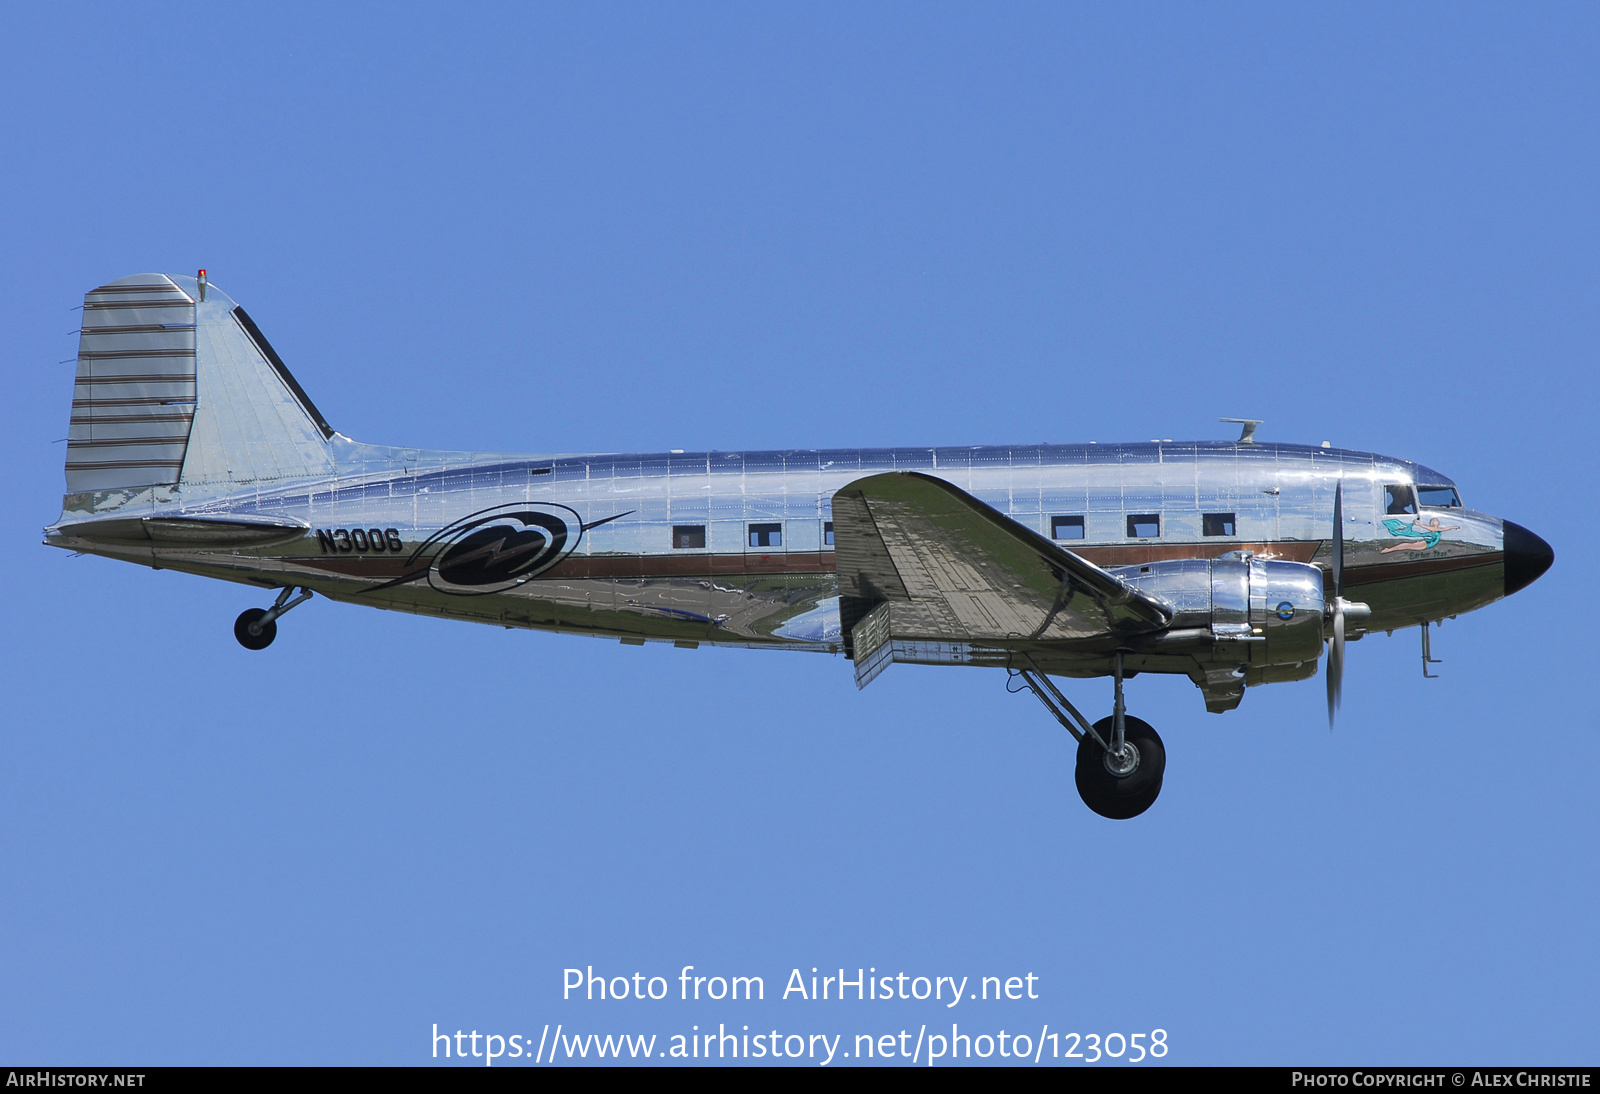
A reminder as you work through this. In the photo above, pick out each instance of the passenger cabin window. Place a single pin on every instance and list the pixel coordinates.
(827, 533)
(1066, 527)
(688, 536)
(1144, 525)
(1439, 497)
(1217, 524)
(1399, 499)
(766, 535)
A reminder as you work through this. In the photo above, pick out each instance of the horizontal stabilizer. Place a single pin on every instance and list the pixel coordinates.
(187, 531)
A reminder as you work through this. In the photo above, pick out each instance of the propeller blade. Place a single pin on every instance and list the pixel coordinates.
(1336, 624)
(1338, 539)
(1336, 661)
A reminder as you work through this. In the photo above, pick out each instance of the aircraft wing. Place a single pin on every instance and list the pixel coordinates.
(939, 565)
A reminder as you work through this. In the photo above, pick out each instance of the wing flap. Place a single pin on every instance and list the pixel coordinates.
(874, 651)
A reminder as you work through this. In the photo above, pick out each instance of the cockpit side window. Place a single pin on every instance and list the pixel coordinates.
(1439, 497)
(1399, 499)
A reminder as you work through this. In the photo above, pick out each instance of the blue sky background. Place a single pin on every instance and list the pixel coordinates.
(600, 228)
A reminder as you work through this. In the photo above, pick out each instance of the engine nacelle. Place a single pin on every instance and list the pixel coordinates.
(1259, 612)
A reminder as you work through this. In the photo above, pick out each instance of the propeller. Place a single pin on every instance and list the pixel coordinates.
(1336, 635)
(1340, 610)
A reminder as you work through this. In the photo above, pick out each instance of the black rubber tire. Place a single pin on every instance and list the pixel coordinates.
(1128, 796)
(241, 629)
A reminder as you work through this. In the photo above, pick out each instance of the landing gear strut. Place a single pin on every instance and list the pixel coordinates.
(257, 627)
(1120, 759)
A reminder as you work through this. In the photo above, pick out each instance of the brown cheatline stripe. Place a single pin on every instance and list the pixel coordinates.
(129, 305)
(692, 565)
(1297, 551)
(1422, 567)
(1141, 554)
(574, 567)
(701, 565)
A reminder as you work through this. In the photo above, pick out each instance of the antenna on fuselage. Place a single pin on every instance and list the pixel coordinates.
(1247, 430)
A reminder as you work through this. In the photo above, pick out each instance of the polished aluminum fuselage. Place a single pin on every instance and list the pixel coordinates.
(625, 578)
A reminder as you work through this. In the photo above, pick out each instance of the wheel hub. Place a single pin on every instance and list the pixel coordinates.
(1124, 763)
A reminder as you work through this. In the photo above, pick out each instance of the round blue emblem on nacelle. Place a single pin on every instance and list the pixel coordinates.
(1286, 610)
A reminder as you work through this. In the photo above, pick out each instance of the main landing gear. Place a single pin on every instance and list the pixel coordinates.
(257, 627)
(1120, 759)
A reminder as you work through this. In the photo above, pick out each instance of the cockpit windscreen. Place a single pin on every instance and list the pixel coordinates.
(1439, 497)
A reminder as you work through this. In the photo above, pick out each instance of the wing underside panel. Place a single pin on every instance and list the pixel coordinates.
(951, 569)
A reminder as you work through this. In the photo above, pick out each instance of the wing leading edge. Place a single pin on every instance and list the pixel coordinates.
(924, 561)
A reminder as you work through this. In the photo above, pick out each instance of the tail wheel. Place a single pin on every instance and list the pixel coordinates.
(265, 632)
(1122, 786)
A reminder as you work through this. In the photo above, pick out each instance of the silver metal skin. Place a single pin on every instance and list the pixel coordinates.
(194, 449)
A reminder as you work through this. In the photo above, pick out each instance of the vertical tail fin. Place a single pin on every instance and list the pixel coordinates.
(252, 421)
(178, 388)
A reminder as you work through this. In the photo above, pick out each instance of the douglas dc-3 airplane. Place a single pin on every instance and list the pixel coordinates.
(193, 448)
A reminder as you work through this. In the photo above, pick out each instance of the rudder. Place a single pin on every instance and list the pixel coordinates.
(133, 400)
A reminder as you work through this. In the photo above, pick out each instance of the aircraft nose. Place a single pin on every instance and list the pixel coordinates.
(1527, 556)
